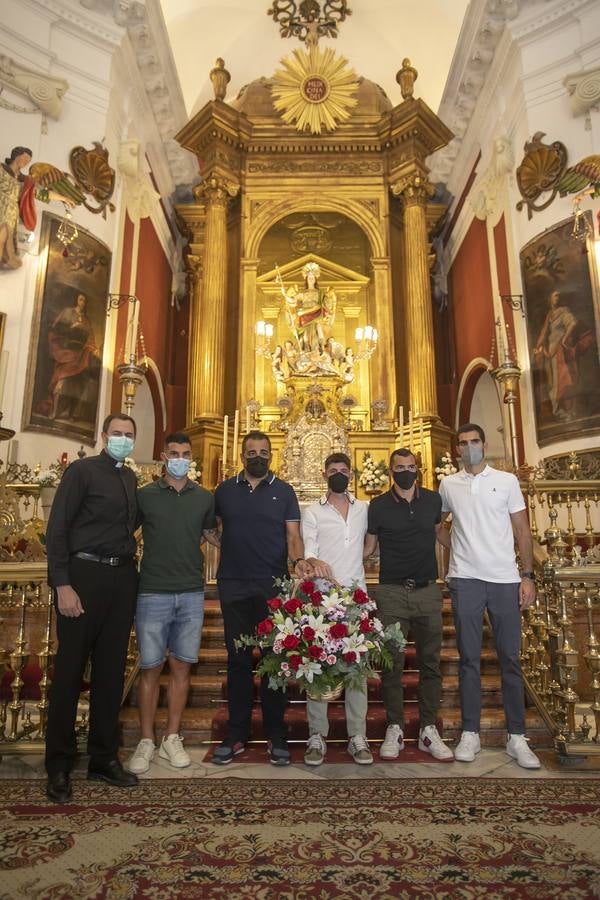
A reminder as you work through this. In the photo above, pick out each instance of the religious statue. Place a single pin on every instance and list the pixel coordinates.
(18, 193)
(311, 311)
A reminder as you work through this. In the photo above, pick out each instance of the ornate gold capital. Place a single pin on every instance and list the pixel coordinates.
(194, 268)
(413, 190)
(216, 190)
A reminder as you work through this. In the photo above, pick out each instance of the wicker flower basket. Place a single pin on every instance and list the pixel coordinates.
(333, 693)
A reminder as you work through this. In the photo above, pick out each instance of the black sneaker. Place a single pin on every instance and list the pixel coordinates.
(279, 755)
(226, 751)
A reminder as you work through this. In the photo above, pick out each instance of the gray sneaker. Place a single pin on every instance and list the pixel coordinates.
(316, 748)
(226, 751)
(359, 750)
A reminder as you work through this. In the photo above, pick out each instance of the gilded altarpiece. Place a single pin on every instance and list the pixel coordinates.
(273, 201)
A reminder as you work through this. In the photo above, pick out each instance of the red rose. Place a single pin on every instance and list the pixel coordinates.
(292, 605)
(350, 656)
(314, 652)
(275, 603)
(339, 630)
(264, 627)
(290, 641)
(307, 587)
(316, 597)
(295, 662)
(308, 633)
(360, 596)
(365, 626)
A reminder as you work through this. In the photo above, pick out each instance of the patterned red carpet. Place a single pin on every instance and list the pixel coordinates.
(277, 840)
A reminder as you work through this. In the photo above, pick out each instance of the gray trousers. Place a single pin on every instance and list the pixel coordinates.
(355, 702)
(470, 598)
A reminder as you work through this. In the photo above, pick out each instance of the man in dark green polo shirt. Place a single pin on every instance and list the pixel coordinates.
(176, 514)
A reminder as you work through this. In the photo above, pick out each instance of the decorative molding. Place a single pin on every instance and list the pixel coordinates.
(584, 92)
(139, 195)
(486, 195)
(44, 91)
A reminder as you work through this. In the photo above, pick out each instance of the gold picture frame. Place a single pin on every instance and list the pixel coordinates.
(64, 371)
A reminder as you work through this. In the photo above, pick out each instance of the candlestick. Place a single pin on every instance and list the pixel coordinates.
(236, 435)
(401, 422)
(135, 314)
(225, 434)
(3, 370)
(422, 440)
(410, 429)
(247, 419)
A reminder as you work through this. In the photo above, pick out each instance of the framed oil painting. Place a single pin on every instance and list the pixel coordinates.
(563, 328)
(67, 337)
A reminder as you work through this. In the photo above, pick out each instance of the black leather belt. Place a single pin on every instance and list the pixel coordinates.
(105, 560)
(412, 585)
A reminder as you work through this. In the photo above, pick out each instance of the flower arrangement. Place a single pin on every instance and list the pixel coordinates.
(51, 476)
(195, 472)
(444, 466)
(321, 638)
(131, 464)
(373, 475)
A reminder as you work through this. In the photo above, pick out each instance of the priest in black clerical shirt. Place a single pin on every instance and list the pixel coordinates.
(91, 567)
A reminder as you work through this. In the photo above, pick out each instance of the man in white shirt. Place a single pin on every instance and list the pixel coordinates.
(488, 512)
(334, 532)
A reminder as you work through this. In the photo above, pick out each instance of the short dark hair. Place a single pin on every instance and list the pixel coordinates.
(177, 437)
(123, 416)
(255, 436)
(17, 151)
(469, 426)
(337, 458)
(401, 451)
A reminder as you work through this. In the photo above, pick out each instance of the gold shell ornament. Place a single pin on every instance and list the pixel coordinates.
(94, 176)
(539, 172)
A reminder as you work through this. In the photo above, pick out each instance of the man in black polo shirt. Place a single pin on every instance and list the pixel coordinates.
(91, 566)
(176, 516)
(260, 520)
(406, 521)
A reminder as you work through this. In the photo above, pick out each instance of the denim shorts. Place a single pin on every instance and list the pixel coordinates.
(172, 621)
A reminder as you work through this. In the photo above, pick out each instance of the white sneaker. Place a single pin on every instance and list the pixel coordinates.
(359, 750)
(141, 758)
(393, 743)
(468, 746)
(518, 748)
(431, 742)
(316, 748)
(171, 748)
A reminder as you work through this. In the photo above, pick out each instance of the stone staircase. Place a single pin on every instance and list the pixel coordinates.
(206, 714)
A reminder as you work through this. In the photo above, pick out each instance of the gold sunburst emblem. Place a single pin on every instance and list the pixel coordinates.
(315, 89)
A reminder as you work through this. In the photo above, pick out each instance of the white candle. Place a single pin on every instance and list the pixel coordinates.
(236, 435)
(410, 428)
(225, 431)
(247, 419)
(401, 420)
(3, 369)
(135, 315)
(422, 440)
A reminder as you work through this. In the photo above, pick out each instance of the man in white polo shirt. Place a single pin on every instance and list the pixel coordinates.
(488, 513)
(334, 532)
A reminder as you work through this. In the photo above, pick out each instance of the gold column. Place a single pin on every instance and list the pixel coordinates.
(246, 357)
(420, 355)
(194, 267)
(383, 363)
(208, 386)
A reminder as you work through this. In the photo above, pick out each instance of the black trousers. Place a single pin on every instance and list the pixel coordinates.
(244, 605)
(108, 597)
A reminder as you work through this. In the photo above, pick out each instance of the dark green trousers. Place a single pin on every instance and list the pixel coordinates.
(420, 613)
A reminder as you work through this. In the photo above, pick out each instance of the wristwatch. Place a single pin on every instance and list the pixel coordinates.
(530, 575)
(296, 561)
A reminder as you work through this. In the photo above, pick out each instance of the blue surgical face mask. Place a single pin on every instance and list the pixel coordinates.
(119, 447)
(178, 468)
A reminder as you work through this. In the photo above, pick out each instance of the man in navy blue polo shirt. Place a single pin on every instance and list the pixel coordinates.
(260, 520)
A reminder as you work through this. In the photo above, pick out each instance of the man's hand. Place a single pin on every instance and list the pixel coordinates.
(69, 603)
(319, 569)
(526, 593)
(303, 568)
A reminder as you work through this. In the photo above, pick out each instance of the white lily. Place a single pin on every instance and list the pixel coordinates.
(309, 669)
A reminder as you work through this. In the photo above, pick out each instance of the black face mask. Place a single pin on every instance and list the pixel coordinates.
(405, 479)
(338, 482)
(257, 466)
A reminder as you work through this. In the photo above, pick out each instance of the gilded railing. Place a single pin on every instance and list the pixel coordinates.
(561, 648)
